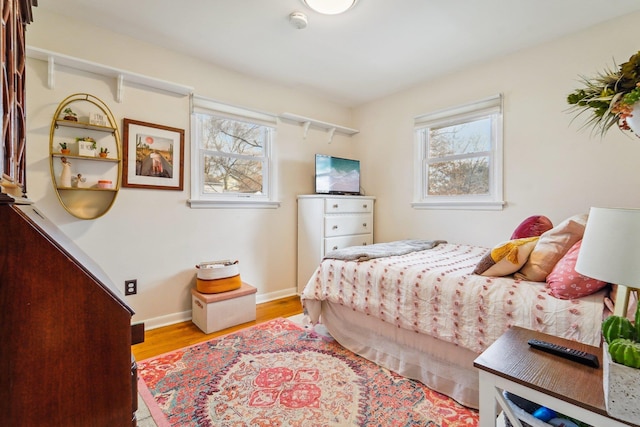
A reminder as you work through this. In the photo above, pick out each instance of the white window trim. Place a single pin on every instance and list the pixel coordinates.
(493, 201)
(200, 201)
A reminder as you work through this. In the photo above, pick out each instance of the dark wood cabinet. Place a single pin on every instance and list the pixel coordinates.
(65, 333)
(16, 14)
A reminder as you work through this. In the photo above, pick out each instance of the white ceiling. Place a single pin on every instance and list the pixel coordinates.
(377, 48)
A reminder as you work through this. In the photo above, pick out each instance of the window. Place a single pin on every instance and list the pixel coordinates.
(459, 157)
(231, 156)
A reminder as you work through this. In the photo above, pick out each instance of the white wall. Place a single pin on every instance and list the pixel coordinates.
(152, 235)
(551, 167)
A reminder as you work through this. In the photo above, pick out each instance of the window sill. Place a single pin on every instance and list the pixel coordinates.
(469, 205)
(232, 204)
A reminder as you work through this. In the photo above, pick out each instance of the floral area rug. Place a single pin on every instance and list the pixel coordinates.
(280, 374)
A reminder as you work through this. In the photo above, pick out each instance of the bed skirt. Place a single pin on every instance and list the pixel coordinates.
(441, 366)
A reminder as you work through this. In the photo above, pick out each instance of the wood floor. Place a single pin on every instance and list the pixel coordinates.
(168, 338)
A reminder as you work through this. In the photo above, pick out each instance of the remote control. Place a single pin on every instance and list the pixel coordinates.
(568, 353)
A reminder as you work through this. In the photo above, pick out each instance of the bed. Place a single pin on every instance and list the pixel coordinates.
(426, 315)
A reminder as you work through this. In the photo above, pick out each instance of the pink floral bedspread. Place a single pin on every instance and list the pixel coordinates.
(434, 292)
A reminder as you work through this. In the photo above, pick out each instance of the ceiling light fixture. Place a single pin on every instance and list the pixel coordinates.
(330, 7)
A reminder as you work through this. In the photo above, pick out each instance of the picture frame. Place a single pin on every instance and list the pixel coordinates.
(152, 156)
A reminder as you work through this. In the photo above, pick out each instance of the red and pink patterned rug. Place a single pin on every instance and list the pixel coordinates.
(280, 374)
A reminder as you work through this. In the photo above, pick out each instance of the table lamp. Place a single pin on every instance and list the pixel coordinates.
(610, 251)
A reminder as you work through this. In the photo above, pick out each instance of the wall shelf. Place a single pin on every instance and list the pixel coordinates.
(113, 190)
(121, 76)
(82, 125)
(85, 199)
(93, 159)
(329, 127)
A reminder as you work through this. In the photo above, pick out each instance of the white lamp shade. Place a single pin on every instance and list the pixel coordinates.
(610, 249)
(330, 7)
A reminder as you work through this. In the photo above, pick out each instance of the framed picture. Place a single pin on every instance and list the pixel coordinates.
(153, 156)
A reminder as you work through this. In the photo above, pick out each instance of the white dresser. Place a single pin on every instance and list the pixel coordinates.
(327, 223)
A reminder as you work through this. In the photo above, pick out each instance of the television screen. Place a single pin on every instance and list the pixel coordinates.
(337, 176)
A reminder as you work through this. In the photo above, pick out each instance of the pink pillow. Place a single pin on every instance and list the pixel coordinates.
(533, 226)
(565, 283)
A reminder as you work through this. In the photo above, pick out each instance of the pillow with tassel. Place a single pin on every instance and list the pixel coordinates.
(506, 258)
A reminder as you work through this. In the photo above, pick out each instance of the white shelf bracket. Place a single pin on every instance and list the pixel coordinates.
(331, 132)
(120, 88)
(305, 128)
(51, 72)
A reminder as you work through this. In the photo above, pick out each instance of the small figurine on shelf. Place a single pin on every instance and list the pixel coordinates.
(65, 175)
(69, 115)
(64, 149)
(103, 152)
(79, 181)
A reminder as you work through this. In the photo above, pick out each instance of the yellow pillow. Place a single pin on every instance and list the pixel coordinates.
(506, 258)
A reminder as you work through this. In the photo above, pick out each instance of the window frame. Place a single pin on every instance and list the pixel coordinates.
(200, 199)
(492, 108)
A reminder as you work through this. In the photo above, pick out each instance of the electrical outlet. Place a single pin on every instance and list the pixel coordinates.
(131, 287)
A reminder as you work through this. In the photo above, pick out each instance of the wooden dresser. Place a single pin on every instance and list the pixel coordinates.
(65, 334)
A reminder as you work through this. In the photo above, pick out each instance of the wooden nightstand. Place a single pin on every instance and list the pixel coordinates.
(565, 386)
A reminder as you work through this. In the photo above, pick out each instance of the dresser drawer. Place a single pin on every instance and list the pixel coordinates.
(351, 205)
(335, 243)
(342, 225)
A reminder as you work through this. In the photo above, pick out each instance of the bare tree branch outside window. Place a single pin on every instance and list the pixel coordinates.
(233, 155)
(458, 159)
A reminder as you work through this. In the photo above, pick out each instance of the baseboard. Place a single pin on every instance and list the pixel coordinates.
(185, 316)
(169, 319)
(271, 296)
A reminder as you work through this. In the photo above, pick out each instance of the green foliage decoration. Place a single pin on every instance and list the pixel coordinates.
(609, 96)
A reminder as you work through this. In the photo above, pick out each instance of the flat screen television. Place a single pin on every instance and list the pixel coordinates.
(335, 175)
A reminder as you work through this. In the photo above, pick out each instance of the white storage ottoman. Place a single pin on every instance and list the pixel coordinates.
(213, 312)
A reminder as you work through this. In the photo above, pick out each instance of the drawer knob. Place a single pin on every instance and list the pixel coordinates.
(334, 248)
(335, 206)
(365, 206)
(364, 224)
(335, 227)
